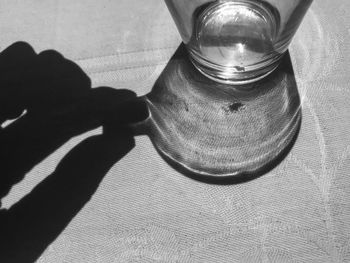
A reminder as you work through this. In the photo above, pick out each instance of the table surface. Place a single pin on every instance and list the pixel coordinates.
(144, 210)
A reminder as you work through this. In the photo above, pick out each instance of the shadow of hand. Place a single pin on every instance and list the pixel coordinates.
(51, 99)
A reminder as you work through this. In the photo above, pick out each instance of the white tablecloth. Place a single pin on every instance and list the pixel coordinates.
(144, 210)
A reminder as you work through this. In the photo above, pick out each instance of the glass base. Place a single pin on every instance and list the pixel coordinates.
(231, 76)
(219, 131)
(233, 41)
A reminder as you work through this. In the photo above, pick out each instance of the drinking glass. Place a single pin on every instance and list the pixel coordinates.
(237, 41)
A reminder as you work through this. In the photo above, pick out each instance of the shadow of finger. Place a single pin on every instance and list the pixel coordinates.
(34, 222)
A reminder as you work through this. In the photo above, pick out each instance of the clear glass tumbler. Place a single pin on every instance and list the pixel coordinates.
(237, 41)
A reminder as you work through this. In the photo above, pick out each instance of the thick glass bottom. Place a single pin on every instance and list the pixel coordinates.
(229, 75)
(233, 41)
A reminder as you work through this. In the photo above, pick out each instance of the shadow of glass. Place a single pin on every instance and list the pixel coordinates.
(48, 100)
(219, 133)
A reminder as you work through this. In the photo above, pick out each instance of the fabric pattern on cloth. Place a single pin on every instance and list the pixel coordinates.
(144, 211)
